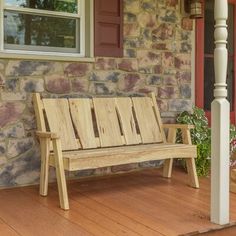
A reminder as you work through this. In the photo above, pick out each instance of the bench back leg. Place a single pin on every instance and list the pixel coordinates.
(60, 173)
(45, 149)
(167, 168)
(190, 162)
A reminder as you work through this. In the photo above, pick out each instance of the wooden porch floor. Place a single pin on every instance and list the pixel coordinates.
(141, 203)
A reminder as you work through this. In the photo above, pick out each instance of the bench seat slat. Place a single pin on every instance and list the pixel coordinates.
(96, 158)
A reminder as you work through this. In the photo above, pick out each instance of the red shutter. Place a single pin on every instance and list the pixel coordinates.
(108, 28)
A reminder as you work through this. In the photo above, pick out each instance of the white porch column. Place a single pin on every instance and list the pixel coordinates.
(220, 121)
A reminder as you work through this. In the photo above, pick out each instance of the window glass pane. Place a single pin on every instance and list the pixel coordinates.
(208, 82)
(35, 30)
(70, 6)
(209, 27)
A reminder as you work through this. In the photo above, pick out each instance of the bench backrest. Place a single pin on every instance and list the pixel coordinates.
(84, 123)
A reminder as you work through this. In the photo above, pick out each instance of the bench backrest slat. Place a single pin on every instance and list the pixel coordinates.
(107, 122)
(125, 112)
(147, 122)
(59, 121)
(84, 123)
(81, 113)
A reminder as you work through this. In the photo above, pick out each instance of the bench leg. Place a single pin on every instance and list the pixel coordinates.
(167, 168)
(60, 173)
(45, 149)
(192, 173)
(190, 162)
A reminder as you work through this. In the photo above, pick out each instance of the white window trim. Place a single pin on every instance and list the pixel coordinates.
(55, 56)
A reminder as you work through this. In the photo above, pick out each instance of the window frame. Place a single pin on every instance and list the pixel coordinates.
(51, 55)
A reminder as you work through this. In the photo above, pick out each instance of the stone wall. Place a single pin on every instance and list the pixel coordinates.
(157, 57)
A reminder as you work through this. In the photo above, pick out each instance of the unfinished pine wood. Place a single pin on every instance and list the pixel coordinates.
(82, 118)
(87, 159)
(44, 172)
(60, 173)
(167, 168)
(190, 162)
(107, 122)
(158, 116)
(148, 126)
(124, 109)
(116, 121)
(38, 108)
(59, 120)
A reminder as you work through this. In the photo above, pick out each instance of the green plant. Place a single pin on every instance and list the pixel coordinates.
(232, 146)
(201, 136)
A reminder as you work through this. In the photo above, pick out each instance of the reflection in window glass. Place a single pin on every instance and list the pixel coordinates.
(209, 76)
(36, 30)
(70, 6)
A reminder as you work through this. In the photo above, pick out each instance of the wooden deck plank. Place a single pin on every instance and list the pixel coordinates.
(141, 203)
(114, 215)
(6, 230)
(145, 205)
(92, 221)
(28, 217)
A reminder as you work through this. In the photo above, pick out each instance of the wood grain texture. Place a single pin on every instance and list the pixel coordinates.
(86, 159)
(6, 230)
(60, 173)
(59, 120)
(190, 162)
(81, 113)
(44, 170)
(38, 109)
(107, 121)
(168, 164)
(148, 125)
(157, 115)
(125, 112)
(28, 218)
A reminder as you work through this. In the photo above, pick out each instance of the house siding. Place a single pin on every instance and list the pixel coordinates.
(157, 58)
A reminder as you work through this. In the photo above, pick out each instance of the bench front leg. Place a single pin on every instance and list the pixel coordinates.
(60, 173)
(190, 162)
(167, 168)
(44, 172)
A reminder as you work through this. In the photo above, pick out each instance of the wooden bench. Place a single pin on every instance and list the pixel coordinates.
(77, 134)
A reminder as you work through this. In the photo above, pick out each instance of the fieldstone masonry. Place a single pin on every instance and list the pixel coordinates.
(157, 57)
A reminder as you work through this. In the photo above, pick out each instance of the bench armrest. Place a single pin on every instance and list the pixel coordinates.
(49, 135)
(179, 126)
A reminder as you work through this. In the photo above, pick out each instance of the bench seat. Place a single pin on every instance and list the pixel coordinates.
(103, 157)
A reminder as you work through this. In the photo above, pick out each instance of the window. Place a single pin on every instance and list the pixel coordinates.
(205, 77)
(61, 29)
(47, 27)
